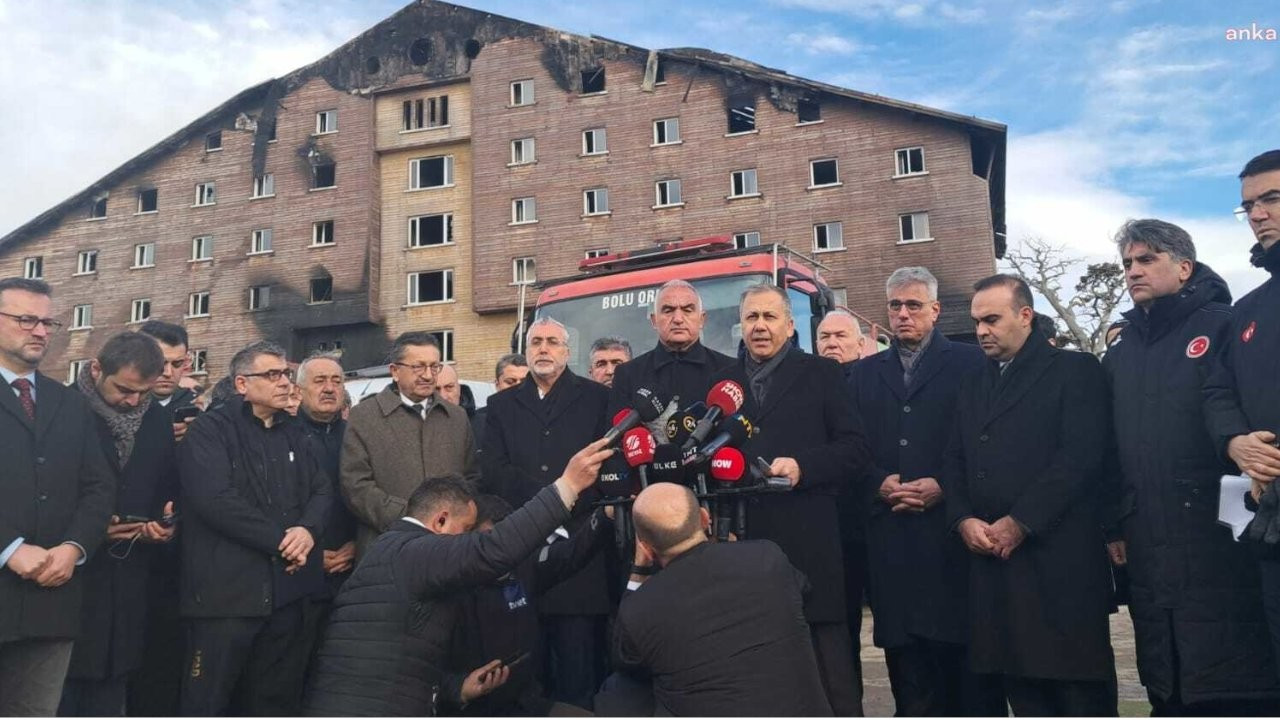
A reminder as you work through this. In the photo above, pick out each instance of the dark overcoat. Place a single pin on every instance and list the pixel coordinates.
(1030, 443)
(528, 443)
(683, 378)
(118, 579)
(808, 414)
(55, 487)
(917, 570)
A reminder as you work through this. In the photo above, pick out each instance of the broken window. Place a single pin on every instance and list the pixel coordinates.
(521, 93)
(427, 230)
(660, 75)
(910, 161)
(144, 255)
(742, 117)
(426, 113)
(828, 236)
(82, 317)
(420, 51)
(445, 339)
(824, 172)
(595, 142)
(213, 141)
(742, 183)
(808, 110)
(198, 304)
(98, 208)
(260, 297)
(522, 151)
(524, 271)
(430, 172)
(746, 239)
(595, 201)
(914, 227)
(264, 186)
(148, 200)
(322, 233)
(260, 241)
(326, 121)
(87, 262)
(206, 194)
(593, 80)
(667, 193)
(430, 287)
(321, 290)
(199, 362)
(202, 247)
(524, 210)
(271, 131)
(326, 176)
(666, 131)
(33, 268)
(140, 311)
(75, 369)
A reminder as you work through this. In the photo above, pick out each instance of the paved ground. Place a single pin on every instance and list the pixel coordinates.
(878, 701)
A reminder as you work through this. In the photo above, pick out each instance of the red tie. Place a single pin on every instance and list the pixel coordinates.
(24, 397)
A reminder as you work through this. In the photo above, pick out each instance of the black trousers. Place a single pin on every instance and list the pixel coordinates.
(1270, 575)
(155, 689)
(248, 666)
(93, 698)
(1039, 697)
(573, 657)
(835, 665)
(932, 679)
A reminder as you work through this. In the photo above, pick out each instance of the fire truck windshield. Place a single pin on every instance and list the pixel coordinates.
(625, 314)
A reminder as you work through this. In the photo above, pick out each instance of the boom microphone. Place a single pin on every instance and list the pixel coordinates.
(681, 425)
(727, 468)
(668, 465)
(638, 447)
(733, 431)
(725, 398)
(645, 407)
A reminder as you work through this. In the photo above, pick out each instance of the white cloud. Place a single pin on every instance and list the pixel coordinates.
(823, 44)
(911, 13)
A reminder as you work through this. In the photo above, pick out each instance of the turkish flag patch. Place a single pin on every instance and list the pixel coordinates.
(1247, 335)
(1198, 346)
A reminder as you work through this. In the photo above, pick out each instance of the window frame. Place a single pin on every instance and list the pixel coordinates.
(98, 207)
(666, 125)
(902, 158)
(524, 210)
(213, 141)
(526, 88)
(318, 232)
(33, 267)
(199, 362)
(261, 241)
(601, 141)
(263, 182)
(141, 194)
(135, 306)
(446, 340)
(206, 194)
(200, 297)
(746, 237)
(928, 227)
(592, 196)
(311, 290)
(259, 297)
(839, 226)
(74, 368)
(92, 257)
(415, 229)
(658, 186)
(446, 286)
(323, 117)
(82, 317)
(521, 266)
(142, 252)
(415, 172)
(813, 178)
(754, 190)
(524, 151)
(204, 242)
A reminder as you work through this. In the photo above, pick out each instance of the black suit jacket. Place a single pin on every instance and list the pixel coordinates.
(720, 631)
(683, 378)
(528, 443)
(55, 486)
(1031, 443)
(918, 571)
(808, 415)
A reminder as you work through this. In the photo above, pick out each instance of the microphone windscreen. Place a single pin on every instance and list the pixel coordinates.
(737, 427)
(681, 425)
(726, 395)
(668, 464)
(638, 446)
(615, 478)
(728, 465)
(648, 404)
(619, 416)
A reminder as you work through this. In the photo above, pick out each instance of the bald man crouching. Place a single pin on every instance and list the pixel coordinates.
(716, 629)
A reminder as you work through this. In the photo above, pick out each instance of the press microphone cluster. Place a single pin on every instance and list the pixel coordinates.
(645, 407)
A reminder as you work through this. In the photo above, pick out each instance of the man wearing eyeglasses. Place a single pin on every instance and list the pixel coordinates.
(906, 396)
(255, 503)
(404, 435)
(55, 502)
(1243, 392)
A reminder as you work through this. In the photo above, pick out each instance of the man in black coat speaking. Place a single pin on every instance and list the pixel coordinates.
(719, 630)
(1021, 479)
(388, 644)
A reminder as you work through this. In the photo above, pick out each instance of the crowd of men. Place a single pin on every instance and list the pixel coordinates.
(272, 550)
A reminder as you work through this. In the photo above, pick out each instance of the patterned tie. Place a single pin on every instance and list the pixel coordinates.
(24, 397)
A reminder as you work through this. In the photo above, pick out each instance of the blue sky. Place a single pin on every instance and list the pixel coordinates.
(1115, 109)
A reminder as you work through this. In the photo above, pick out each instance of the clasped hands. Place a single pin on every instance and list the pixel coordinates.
(912, 496)
(998, 539)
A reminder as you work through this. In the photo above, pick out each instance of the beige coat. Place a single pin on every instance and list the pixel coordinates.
(387, 453)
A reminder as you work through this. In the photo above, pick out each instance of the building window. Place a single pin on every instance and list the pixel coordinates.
(808, 110)
(524, 271)
(828, 236)
(595, 142)
(595, 201)
(431, 172)
(213, 141)
(87, 262)
(914, 227)
(140, 311)
(82, 317)
(260, 297)
(202, 247)
(144, 255)
(199, 362)
(522, 151)
(593, 80)
(746, 239)
(321, 290)
(660, 74)
(148, 200)
(742, 118)
(426, 113)
(910, 161)
(33, 268)
(198, 304)
(430, 287)
(326, 122)
(271, 131)
(521, 93)
(742, 183)
(98, 208)
(667, 193)
(524, 210)
(264, 186)
(428, 230)
(206, 194)
(322, 233)
(445, 338)
(840, 296)
(260, 242)
(598, 252)
(666, 131)
(824, 172)
(326, 176)
(75, 369)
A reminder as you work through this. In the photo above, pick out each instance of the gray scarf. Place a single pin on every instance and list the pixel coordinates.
(123, 424)
(760, 374)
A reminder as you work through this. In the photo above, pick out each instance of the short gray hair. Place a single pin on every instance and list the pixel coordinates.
(507, 361)
(761, 289)
(321, 355)
(849, 314)
(242, 362)
(546, 320)
(1159, 236)
(671, 285)
(611, 343)
(910, 275)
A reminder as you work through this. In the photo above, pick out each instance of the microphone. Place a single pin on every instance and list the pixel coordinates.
(638, 448)
(725, 398)
(681, 425)
(615, 478)
(727, 468)
(645, 407)
(668, 465)
(733, 432)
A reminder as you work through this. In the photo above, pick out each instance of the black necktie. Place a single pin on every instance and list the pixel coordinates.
(416, 409)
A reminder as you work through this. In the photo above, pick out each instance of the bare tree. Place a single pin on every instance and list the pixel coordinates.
(1098, 291)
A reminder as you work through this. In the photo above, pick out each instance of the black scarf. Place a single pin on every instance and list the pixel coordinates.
(760, 374)
(1269, 260)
